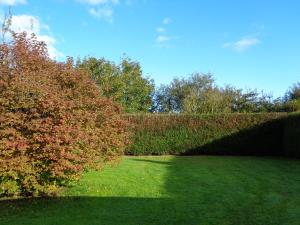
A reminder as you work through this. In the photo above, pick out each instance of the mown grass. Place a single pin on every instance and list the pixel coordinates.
(172, 190)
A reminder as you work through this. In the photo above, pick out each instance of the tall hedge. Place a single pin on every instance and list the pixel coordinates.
(223, 134)
(292, 135)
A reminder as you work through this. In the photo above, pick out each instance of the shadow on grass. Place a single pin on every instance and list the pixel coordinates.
(86, 210)
(201, 190)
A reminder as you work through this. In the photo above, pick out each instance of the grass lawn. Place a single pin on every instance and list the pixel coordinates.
(172, 190)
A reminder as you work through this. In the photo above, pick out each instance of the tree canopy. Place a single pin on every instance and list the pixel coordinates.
(124, 83)
(199, 93)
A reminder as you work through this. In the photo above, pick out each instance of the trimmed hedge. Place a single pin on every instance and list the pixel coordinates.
(292, 136)
(222, 134)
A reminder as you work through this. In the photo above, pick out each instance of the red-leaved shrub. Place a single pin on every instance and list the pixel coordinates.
(54, 122)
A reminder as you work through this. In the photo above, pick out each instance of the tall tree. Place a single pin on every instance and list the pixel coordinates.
(182, 95)
(124, 83)
(292, 98)
(294, 92)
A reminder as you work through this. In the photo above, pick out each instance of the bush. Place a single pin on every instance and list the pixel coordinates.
(53, 122)
(223, 134)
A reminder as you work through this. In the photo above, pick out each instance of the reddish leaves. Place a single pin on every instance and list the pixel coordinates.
(53, 121)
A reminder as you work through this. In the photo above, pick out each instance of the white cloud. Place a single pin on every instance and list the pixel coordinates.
(27, 23)
(160, 29)
(167, 21)
(104, 13)
(50, 41)
(243, 44)
(162, 39)
(100, 2)
(12, 2)
(103, 9)
(31, 24)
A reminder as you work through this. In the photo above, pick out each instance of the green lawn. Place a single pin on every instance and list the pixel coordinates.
(172, 190)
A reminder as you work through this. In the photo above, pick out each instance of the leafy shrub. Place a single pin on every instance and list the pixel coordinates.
(53, 121)
(224, 134)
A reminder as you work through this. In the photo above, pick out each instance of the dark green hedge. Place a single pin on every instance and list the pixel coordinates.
(292, 136)
(230, 134)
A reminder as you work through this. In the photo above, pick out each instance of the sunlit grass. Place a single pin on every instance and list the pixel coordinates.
(172, 190)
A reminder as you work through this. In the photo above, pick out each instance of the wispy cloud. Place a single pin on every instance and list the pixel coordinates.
(242, 44)
(102, 9)
(31, 24)
(163, 39)
(100, 2)
(103, 13)
(12, 2)
(167, 21)
(160, 29)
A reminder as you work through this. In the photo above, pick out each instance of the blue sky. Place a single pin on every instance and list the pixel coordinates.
(249, 43)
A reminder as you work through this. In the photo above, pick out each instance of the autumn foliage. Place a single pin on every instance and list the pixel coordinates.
(54, 123)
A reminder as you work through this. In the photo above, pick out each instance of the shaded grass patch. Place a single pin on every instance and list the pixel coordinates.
(172, 190)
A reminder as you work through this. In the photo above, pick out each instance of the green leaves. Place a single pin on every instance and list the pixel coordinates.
(123, 83)
(224, 134)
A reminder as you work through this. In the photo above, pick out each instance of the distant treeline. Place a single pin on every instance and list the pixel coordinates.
(198, 93)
